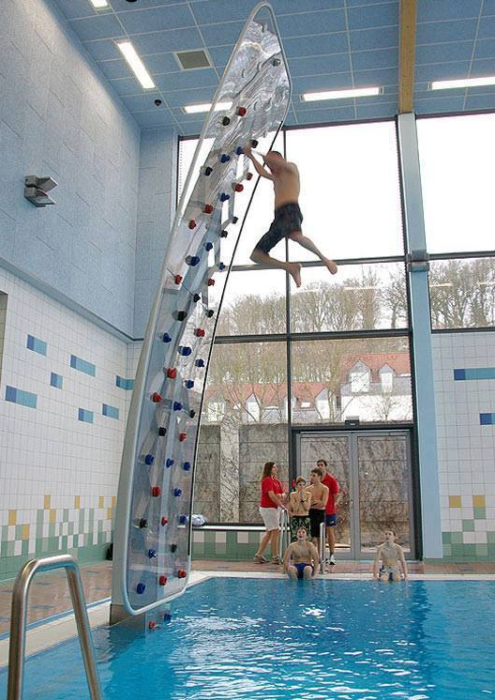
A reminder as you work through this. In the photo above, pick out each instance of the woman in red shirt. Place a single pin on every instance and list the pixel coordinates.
(272, 501)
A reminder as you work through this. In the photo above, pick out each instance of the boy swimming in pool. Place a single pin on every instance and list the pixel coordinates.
(391, 554)
(301, 557)
(288, 217)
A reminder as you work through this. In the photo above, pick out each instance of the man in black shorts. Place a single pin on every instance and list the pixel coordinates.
(288, 218)
(319, 497)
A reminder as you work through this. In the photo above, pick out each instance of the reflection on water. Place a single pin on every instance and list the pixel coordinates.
(272, 639)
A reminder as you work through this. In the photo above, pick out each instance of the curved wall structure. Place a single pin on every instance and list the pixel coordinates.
(153, 529)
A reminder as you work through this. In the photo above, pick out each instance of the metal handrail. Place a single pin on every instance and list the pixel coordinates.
(323, 543)
(284, 540)
(17, 646)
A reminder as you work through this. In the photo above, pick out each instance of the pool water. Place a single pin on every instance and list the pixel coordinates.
(271, 638)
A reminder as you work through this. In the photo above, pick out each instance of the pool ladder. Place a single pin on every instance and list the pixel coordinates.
(17, 647)
(284, 540)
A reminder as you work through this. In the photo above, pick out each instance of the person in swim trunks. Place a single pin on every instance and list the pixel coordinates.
(319, 497)
(288, 217)
(390, 554)
(301, 557)
(299, 504)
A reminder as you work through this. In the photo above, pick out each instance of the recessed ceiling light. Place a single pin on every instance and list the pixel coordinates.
(340, 94)
(195, 109)
(136, 64)
(465, 83)
(99, 4)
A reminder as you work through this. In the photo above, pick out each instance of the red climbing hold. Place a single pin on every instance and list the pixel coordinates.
(151, 625)
(182, 437)
(178, 279)
(249, 176)
(238, 187)
(156, 491)
(164, 521)
(155, 397)
(241, 111)
(192, 224)
(171, 373)
(208, 208)
(199, 332)
(181, 573)
(211, 282)
(162, 580)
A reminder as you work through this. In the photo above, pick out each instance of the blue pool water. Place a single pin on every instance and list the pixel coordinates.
(270, 639)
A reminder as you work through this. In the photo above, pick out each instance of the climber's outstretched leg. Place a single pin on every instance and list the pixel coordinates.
(307, 243)
(294, 269)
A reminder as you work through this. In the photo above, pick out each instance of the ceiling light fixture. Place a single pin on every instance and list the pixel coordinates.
(340, 94)
(132, 58)
(195, 109)
(99, 4)
(464, 83)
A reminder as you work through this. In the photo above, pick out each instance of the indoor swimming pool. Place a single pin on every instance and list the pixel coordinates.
(269, 639)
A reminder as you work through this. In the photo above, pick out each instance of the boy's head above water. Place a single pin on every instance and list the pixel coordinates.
(301, 534)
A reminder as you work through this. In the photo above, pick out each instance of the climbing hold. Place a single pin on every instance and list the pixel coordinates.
(224, 234)
(162, 580)
(151, 553)
(224, 158)
(167, 616)
(166, 338)
(239, 150)
(199, 363)
(181, 573)
(140, 588)
(143, 523)
(210, 313)
(182, 519)
(192, 260)
(208, 245)
(249, 176)
(199, 332)
(235, 219)
(208, 171)
(276, 62)
(186, 466)
(241, 111)
(208, 208)
(254, 143)
(178, 279)
(177, 406)
(221, 266)
(224, 197)
(192, 224)
(155, 397)
(149, 459)
(211, 282)
(156, 491)
(152, 624)
(173, 548)
(177, 493)
(182, 437)
(169, 463)
(196, 298)
(189, 384)
(162, 431)
(164, 521)
(226, 121)
(238, 187)
(171, 373)
(180, 315)
(184, 350)
(192, 413)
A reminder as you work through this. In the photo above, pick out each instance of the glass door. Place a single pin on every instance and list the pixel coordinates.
(374, 475)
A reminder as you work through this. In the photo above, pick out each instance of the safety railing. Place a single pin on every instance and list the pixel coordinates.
(284, 540)
(17, 647)
(323, 543)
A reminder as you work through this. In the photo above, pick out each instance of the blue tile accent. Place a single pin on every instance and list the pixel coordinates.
(110, 411)
(36, 345)
(82, 365)
(85, 416)
(56, 380)
(25, 398)
(487, 418)
(475, 373)
(126, 384)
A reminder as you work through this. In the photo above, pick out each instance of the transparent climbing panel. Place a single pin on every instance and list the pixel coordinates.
(152, 538)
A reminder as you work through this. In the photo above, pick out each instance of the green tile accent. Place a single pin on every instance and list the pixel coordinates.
(468, 525)
(254, 537)
(456, 537)
(479, 513)
(209, 537)
(490, 536)
(447, 550)
(481, 550)
(447, 537)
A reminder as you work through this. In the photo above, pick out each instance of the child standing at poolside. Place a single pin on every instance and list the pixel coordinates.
(391, 554)
(288, 217)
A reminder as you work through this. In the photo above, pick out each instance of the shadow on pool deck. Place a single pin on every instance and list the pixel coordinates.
(50, 594)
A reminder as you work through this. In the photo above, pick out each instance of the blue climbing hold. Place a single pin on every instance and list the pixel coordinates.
(166, 338)
(239, 150)
(177, 493)
(167, 616)
(199, 363)
(224, 158)
(149, 459)
(184, 350)
(177, 406)
(192, 260)
(224, 197)
(189, 383)
(186, 466)
(182, 519)
(151, 553)
(208, 245)
(221, 266)
(140, 588)
(169, 463)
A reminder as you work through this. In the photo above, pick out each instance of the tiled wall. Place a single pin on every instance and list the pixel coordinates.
(231, 545)
(464, 366)
(59, 117)
(64, 395)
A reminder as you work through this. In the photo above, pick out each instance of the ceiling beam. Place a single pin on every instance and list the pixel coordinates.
(407, 55)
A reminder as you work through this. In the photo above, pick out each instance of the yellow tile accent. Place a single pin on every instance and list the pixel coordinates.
(454, 502)
(25, 532)
(77, 501)
(12, 517)
(479, 501)
(109, 513)
(47, 502)
(101, 502)
(53, 515)
(114, 501)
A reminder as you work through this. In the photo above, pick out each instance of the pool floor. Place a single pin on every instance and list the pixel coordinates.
(319, 640)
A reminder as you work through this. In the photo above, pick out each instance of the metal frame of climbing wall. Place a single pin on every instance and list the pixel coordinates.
(153, 518)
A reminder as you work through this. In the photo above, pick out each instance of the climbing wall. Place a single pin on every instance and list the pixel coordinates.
(153, 528)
